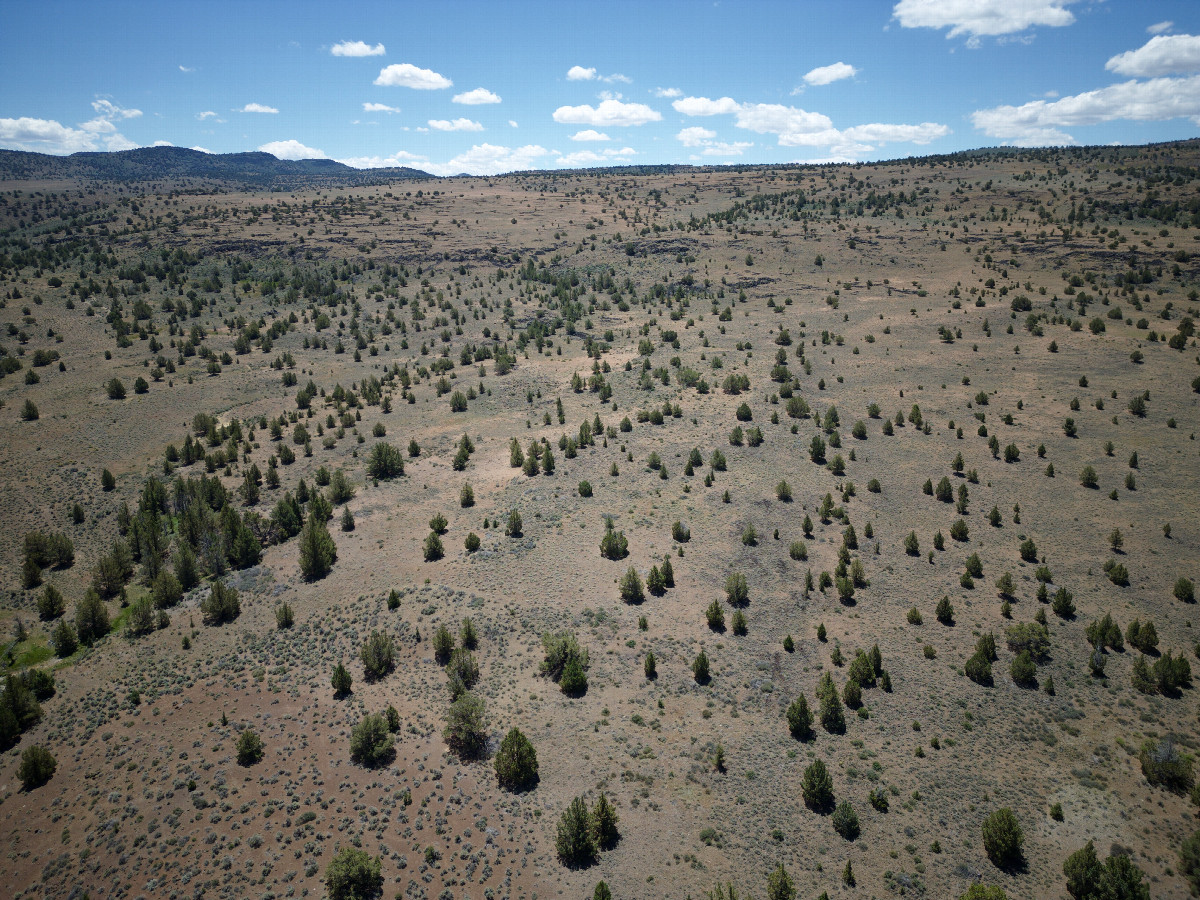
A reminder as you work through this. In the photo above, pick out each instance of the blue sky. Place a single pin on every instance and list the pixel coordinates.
(488, 87)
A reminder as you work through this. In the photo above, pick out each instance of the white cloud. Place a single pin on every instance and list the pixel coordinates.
(579, 73)
(357, 48)
(399, 158)
(877, 133)
(607, 156)
(109, 110)
(1040, 122)
(207, 114)
(99, 125)
(667, 93)
(589, 134)
(695, 136)
(795, 127)
(1160, 27)
(409, 76)
(829, 74)
(187, 69)
(454, 125)
(162, 144)
(721, 148)
(702, 106)
(489, 159)
(380, 107)
(44, 136)
(512, 123)
(982, 18)
(477, 97)
(1161, 55)
(201, 150)
(257, 108)
(291, 149)
(618, 78)
(608, 113)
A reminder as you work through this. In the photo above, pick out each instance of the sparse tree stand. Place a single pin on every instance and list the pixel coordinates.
(354, 875)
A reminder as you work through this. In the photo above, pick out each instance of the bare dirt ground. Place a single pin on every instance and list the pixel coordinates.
(897, 285)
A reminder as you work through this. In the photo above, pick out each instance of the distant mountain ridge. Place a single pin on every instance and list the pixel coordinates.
(151, 163)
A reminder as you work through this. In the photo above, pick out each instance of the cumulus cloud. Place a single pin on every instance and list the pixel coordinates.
(44, 136)
(207, 114)
(829, 74)
(695, 136)
(489, 159)
(608, 113)
(257, 108)
(109, 110)
(291, 149)
(399, 158)
(357, 48)
(454, 125)
(702, 106)
(607, 156)
(162, 144)
(982, 18)
(579, 73)
(589, 134)
(667, 93)
(1160, 27)
(1161, 55)
(201, 150)
(477, 97)
(1041, 122)
(409, 76)
(795, 127)
(380, 107)
(878, 133)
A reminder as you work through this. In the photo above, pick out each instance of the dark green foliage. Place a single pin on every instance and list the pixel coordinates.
(1189, 853)
(1063, 606)
(284, 616)
(50, 604)
(779, 885)
(574, 842)
(341, 681)
(472, 542)
(1023, 670)
(1003, 838)
(462, 672)
(650, 666)
(63, 639)
(378, 655)
(944, 611)
(614, 544)
(433, 549)
(1164, 765)
(800, 719)
(833, 717)
(715, 614)
(37, 767)
(249, 748)
(1031, 637)
(318, 552)
(700, 670)
(655, 583)
(221, 605)
(736, 591)
(354, 875)
(385, 461)
(1105, 632)
(817, 787)
(371, 743)
(984, 892)
(443, 645)
(166, 590)
(573, 681)
(979, 669)
(845, 821)
(514, 525)
(631, 587)
(91, 618)
(911, 545)
(561, 649)
(604, 824)
(1185, 591)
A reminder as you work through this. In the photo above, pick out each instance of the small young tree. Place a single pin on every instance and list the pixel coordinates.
(37, 767)
(378, 655)
(945, 611)
(817, 787)
(341, 681)
(800, 719)
(318, 552)
(91, 618)
(604, 824)
(249, 748)
(466, 726)
(516, 762)
(354, 875)
(631, 587)
(371, 743)
(574, 841)
(845, 821)
(700, 668)
(514, 525)
(1003, 838)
